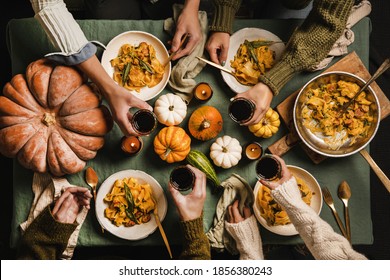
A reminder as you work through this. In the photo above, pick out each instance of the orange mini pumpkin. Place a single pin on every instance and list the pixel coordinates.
(205, 123)
(172, 144)
(51, 120)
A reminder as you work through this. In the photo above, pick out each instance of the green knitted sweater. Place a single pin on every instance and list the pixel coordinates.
(196, 244)
(45, 238)
(310, 43)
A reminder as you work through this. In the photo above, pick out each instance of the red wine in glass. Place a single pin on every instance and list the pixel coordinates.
(144, 121)
(241, 110)
(182, 178)
(268, 168)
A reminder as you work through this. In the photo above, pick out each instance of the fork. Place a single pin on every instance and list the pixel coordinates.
(329, 201)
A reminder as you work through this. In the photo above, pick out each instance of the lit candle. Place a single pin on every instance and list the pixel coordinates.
(131, 145)
(203, 91)
(253, 151)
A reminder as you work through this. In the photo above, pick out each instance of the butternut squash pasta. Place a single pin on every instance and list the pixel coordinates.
(136, 67)
(271, 211)
(253, 58)
(129, 203)
(320, 113)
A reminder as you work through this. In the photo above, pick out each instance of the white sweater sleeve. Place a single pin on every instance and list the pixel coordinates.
(247, 237)
(59, 25)
(322, 241)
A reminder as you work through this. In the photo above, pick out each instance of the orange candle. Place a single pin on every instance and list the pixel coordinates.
(203, 91)
(131, 145)
(253, 151)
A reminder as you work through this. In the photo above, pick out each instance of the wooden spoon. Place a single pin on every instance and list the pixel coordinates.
(344, 193)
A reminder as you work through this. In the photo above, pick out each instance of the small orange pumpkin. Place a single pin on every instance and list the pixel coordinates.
(205, 123)
(172, 144)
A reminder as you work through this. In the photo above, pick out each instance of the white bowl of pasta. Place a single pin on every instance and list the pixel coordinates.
(240, 62)
(137, 61)
(112, 207)
(271, 216)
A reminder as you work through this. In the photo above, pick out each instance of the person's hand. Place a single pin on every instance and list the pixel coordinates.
(234, 215)
(261, 95)
(218, 46)
(68, 206)
(119, 99)
(286, 175)
(190, 206)
(187, 23)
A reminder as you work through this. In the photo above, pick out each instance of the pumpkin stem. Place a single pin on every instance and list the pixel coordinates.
(170, 108)
(224, 150)
(167, 153)
(48, 119)
(205, 124)
(265, 122)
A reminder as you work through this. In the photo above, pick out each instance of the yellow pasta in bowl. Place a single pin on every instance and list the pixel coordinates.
(138, 61)
(136, 67)
(253, 58)
(272, 216)
(124, 205)
(129, 202)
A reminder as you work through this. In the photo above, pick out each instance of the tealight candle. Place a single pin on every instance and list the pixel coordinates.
(131, 145)
(203, 91)
(253, 151)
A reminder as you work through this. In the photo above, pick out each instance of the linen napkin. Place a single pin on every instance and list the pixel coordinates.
(340, 47)
(48, 189)
(235, 187)
(187, 68)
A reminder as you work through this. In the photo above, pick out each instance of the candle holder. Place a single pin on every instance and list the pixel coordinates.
(253, 151)
(131, 145)
(203, 91)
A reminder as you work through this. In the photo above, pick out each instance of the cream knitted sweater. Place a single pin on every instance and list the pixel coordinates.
(322, 241)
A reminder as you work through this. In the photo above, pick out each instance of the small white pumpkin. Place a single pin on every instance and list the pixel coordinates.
(170, 109)
(226, 151)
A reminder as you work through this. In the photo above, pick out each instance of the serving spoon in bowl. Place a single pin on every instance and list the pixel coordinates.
(344, 193)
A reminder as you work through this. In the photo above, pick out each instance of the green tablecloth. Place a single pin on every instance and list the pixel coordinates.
(27, 42)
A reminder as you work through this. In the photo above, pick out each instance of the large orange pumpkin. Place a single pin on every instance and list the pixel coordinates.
(205, 123)
(51, 120)
(172, 144)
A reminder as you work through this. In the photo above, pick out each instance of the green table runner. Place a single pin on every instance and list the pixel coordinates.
(27, 42)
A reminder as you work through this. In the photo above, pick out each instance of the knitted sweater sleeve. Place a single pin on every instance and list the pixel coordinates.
(196, 244)
(224, 13)
(311, 42)
(45, 238)
(322, 241)
(247, 237)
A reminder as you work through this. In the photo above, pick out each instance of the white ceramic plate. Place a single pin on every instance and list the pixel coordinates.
(135, 232)
(316, 201)
(135, 38)
(236, 40)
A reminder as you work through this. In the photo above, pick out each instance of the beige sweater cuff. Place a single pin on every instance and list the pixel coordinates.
(247, 237)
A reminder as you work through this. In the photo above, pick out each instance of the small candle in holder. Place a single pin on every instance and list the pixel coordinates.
(131, 144)
(253, 151)
(203, 91)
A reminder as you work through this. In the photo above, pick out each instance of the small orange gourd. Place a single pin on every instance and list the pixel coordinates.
(205, 123)
(267, 126)
(172, 144)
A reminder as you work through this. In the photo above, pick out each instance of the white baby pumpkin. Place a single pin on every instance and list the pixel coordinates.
(226, 151)
(170, 109)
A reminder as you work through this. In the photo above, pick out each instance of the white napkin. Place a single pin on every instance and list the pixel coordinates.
(47, 189)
